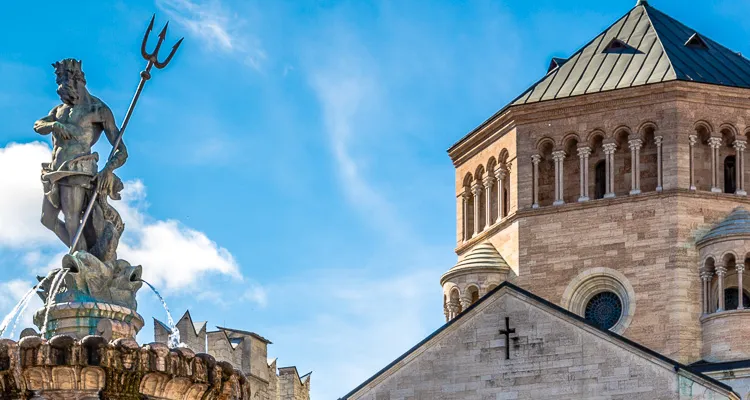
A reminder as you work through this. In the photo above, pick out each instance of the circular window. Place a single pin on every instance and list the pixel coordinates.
(603, 297)
(604, 310)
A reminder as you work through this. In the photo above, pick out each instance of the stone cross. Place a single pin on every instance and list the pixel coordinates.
(507, 332)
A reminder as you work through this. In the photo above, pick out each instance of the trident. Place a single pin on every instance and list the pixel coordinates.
(153, 61)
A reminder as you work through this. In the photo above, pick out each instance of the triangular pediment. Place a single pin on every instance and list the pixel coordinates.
(509, 336)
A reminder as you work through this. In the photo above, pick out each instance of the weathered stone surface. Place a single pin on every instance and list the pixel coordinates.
(94, 368)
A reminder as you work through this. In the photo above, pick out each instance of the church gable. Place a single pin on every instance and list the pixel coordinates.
(514, 345)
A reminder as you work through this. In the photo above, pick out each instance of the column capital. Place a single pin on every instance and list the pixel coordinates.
(740, 145)
(609, 148)
(476, 188)
(720, 270)
(714, 142)
(706, 275)
(740, 267)
(558, 155)
(488, 180)
(501, 172)
(635, 144)
(584, 151)
(693, 139)
(536, 158)
(658, 140)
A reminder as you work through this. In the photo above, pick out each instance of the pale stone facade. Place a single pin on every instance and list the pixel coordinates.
(625, 205)
(246, 351)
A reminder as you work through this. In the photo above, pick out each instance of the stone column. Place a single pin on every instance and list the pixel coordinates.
(693, 139)
(452, 310)
(609, 154)
(659, 178)
(583, 155)
(715, 143)
(465, 303)
(476, 189)
(635, 165)
(535, 159)
(500, 173)
(488, 181)
(721, 272)
(739, 148)
(740, 269)
(706, 287)
(465, 196)
(559, 157)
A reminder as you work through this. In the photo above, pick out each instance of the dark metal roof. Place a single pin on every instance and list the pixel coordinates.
(657, 50)
(737, 223)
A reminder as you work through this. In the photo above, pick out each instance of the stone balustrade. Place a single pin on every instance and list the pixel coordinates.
(722, 338)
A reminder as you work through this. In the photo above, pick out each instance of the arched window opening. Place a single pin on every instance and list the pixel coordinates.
(455, 301)
(730, 175)
(600, 180)
(731, 298)
(474, 293)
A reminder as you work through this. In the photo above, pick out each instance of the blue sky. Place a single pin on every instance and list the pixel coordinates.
(287, 171)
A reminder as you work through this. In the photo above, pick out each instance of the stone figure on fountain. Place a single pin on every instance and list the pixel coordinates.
(76, 126)
(91, 275)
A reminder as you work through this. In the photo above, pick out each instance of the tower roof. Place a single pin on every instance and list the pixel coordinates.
(483, 256)
(644, 46)
(737, 223)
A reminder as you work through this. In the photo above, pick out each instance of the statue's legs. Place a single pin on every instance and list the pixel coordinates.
(52, 222)
(72, 202)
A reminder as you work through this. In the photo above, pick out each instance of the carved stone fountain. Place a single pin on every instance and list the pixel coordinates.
(86, 347)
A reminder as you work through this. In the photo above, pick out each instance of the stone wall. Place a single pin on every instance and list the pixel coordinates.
(552, 356)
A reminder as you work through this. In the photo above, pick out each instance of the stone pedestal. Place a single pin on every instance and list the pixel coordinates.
(81, 319)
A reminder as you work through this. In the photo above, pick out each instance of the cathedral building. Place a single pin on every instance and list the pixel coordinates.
(602, 232)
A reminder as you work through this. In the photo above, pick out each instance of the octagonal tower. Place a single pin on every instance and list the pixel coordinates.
(597, 182)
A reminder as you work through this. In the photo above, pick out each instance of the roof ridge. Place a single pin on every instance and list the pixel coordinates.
(659, 40)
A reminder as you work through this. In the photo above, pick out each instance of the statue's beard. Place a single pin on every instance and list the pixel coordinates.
(68, 94)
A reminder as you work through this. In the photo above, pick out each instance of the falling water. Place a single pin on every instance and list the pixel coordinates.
(13, 315)
(54, 288)
(174, 338)
(19, 309)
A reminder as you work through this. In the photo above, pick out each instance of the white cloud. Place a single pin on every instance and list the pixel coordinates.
(256, 294)
(217, 28)
(174, 256)
(346, 94)
(21, 195)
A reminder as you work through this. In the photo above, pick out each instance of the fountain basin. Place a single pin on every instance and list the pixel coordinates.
(94, 368)
(81, 319)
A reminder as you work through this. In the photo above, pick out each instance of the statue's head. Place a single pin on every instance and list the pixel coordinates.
(71, 82)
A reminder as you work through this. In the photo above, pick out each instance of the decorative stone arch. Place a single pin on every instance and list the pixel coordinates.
(544, 143)
(471, 294)
(597, 280)
(571, 168)
(644, 127)
(503, 157)
(730, 129)
(702, 124)
(622, 170)
(709, 262)
(595, 137)
(564, 142)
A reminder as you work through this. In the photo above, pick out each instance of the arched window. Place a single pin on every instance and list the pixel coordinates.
(474, 293)
(600, 180)
(730, 175)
